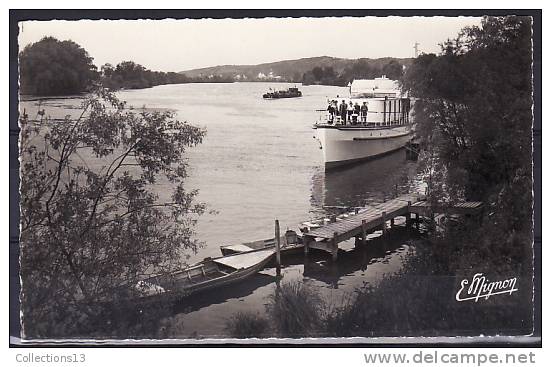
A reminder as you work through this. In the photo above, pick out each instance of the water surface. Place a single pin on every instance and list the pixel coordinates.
(259, 162)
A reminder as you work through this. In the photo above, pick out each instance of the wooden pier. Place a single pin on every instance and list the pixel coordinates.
(328, 236)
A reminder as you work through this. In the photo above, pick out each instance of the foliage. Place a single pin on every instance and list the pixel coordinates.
(359, 69)
(247, 325)
(296, 310)
(477, 100)
(393, 70)
(419, 300)
(92, 221)
(130, 75)
(474, 114)
(51, 67)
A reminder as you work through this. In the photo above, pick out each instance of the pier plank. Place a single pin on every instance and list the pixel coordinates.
(466, 207)
(375, 216)
(371, 216)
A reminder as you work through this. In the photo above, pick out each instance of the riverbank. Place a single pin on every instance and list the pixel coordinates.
(419, 295)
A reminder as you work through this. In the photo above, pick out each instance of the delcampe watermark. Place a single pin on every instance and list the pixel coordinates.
(480, 287)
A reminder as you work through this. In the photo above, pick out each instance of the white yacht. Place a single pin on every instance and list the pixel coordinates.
(358, 135)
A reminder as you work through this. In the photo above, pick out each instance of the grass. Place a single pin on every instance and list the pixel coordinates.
(417, 301)
(247, 325)
(296, 310)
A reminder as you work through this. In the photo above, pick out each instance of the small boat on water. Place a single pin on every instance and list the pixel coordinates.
(289, 93)
(374, 120)
(207, 274)
(291, 242)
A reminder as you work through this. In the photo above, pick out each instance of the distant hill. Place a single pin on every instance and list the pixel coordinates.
(287, 70)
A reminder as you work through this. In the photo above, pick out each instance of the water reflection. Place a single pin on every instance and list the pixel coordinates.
(355, 262)
(223, 294)
(364, 183)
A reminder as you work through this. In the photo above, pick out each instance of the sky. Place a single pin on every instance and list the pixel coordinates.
(179, 45)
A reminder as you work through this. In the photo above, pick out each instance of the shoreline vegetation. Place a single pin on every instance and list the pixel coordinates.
(416, 301)
(474, 119)
(51, 67)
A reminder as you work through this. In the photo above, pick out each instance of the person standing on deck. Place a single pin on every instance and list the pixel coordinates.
(356, 113)
(342, 110)
(363, 112)
(350, 111)
(331, 112)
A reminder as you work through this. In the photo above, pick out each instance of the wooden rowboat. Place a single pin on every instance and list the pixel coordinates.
(291, 242)
(207, 274)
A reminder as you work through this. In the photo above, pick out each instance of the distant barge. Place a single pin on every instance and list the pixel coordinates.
(289, 93)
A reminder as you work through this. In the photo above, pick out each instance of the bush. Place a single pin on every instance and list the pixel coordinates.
(247, 325)
(420, 301)
(297, 310)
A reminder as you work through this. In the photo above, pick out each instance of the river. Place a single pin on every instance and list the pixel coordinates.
(259, 162)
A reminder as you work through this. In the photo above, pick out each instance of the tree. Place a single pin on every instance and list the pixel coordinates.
(393, 70)
(474, 108)
(131, 75)
(103, 204)
(107, 70)
(52, 67)
(317, 72)
(361, 69)
(329, 72)
(478, 96)
(308, 78)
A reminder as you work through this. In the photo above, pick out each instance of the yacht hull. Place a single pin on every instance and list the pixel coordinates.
(344, 145)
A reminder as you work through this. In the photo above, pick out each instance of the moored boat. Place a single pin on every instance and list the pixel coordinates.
(207, 274)
(375, 121)
(291, 242)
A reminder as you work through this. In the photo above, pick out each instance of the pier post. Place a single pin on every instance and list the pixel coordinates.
(364, 232)
(408, 215)
(333, 218)
(384, 223)
(278, 248)
(334, 247)
(356, 210)
(417, 220)
(391, 222)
